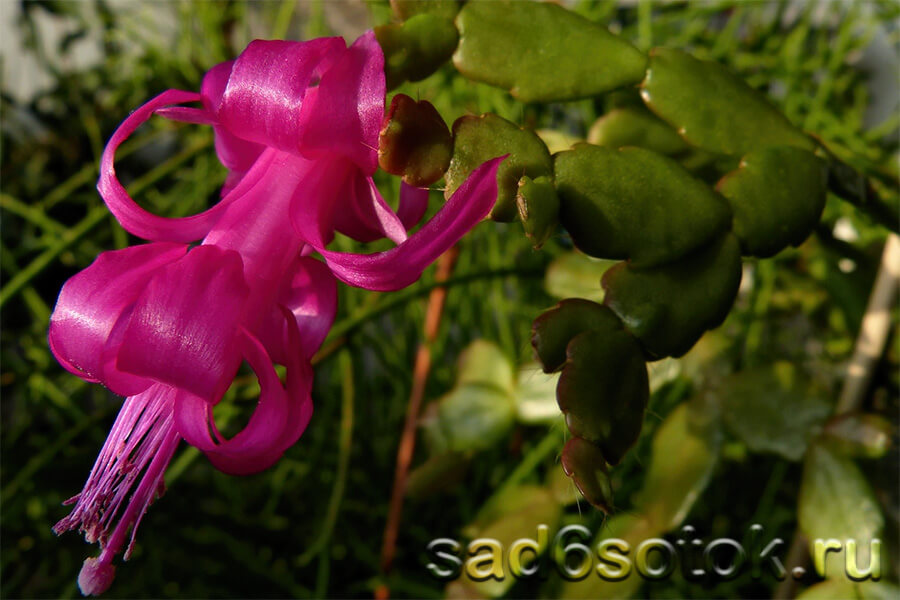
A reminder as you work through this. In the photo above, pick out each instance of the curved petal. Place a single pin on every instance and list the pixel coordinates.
(299, 386)
(184, 114)
(132, 217)
(364, 215)
(310, 294)
(265, 91)
(193, 416)
(402, 265)
(413, 204)
(183, 327)
(343, 115)
(212, 88)
(93, 301)
(279, 419)
(236, 154)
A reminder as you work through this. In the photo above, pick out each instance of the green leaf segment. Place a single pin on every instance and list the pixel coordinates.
(707, 170)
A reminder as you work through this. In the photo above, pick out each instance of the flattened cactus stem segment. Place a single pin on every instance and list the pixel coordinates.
(417, 48)
(477, 139)
(538, 207)
(777, 196)
(603, 390)
(584, 463)
(635, 204)
(634, 126)
(668, 308)
(542, 52)
(714, 109)
(555, 328)
(406, 9)
(414, 142)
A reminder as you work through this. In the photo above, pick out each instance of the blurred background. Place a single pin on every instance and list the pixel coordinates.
(726, 433)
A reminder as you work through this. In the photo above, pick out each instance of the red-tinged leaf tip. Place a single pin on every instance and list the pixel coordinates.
(414, 142)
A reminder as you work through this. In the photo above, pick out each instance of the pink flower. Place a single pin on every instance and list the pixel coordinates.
(167, 325)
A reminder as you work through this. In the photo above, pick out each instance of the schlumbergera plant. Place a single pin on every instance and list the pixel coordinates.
(703, 171)
(678, 188)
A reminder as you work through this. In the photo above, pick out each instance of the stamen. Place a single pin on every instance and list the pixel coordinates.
(131, 463)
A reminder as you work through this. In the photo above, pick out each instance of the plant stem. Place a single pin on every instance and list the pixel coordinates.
(407, 445)
(345, 445)
(874, 329)
(400, 298)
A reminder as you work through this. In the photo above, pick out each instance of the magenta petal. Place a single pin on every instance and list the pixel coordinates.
(344, 114)
(193, 416)
(131, 216)
(364, 215)
(310, 294)
(236, 154)
(413, 204)
(314, 206)
(279, 419)
(212, 89)
(91, 303)
(401, 266)
(183, 327)
(183, 114)
(299, 384)
(256, 226)
(231, 181)
(263, 431)
(268, 82)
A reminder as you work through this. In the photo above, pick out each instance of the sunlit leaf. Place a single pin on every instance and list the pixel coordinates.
(682, 459)
(836, 502)
(475, 417)
(576, 275)
(556, 140)
(536, 395)
(483, 363)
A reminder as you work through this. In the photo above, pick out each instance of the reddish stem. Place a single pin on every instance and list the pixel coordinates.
(421, 369)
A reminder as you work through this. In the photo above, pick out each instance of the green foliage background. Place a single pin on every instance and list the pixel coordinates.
(218, 536)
